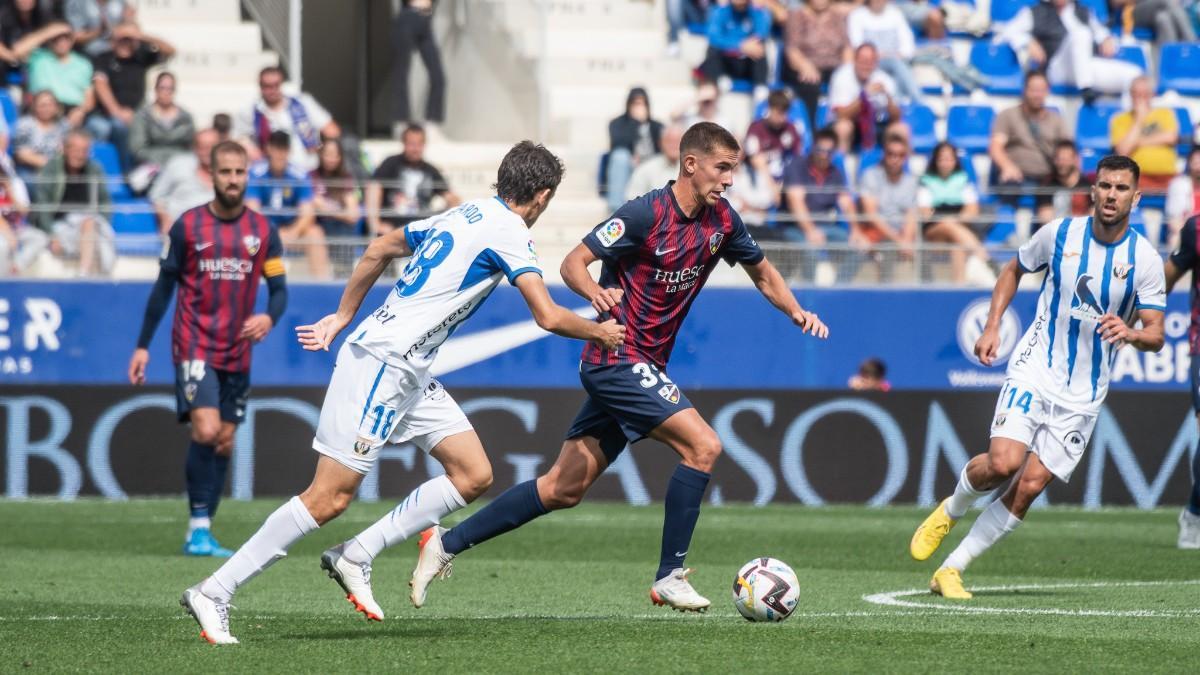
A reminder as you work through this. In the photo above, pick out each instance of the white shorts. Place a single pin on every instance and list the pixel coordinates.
(1056, 434)
(370, 403)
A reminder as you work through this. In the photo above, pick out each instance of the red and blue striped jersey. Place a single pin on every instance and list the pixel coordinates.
(661, 258)
(1187, 259)
(218, 264)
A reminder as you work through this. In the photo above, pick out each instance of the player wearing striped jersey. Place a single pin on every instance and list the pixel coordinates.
(657, 251)
(1186, 259)
(216, 252)
(382, 392)
(1102, 279)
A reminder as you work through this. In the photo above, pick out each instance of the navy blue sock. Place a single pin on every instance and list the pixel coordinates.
(1194, 504)
(518, 505)
(220, 469)
(199, 472)
(684, 494)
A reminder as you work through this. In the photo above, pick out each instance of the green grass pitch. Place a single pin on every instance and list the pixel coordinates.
(94, 586)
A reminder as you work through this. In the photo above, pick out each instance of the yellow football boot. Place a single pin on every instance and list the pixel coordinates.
(947, 582)
(930, 534)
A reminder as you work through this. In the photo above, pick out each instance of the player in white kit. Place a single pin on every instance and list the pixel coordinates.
(382, 392)
(1102, 279)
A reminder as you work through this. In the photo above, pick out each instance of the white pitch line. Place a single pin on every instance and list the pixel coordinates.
(491, 617)
(892, 599)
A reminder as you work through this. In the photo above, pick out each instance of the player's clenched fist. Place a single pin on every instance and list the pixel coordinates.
(811, 324)
(612, 335)
(606, 299)
(137, 366)
(320, 335)
(987, 346)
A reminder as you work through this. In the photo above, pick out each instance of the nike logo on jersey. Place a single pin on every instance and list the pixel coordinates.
(203, 245)
(660, 251)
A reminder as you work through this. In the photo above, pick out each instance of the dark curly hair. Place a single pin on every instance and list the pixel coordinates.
(527, 169)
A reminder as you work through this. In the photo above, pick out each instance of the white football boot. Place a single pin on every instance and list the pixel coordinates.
(432, 563)
(1189, 530)
(211, 614)
(355, 579)
(676, 592)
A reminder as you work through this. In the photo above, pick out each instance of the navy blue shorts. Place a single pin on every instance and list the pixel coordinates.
(625, 403)
(197, 385)
(1195, 383)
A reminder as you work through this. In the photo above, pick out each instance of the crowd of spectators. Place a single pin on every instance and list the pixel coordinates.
(827, 156)
(78, 70)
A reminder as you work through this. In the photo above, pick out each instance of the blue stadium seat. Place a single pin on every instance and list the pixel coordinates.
(920, 119)
(970, 126)
(999, 64)
(10, 111)
(868, 159)
(1179, 68)
(1004, 227)
(1089, 159)
(135, 217)
(1099, 8)
(1005, 10)
(968, 167)
(823, 115)
(1185, 130)
(1133, 54)
(105, 154)
(1091, 126)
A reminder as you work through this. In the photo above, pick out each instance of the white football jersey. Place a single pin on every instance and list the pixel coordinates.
(459, 257)
(1061, 353)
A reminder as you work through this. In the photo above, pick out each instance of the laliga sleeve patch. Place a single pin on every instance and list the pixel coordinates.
(611, 232)
(533, 256)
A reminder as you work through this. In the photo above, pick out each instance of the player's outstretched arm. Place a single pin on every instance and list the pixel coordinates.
(575, 275)
(988, 344)
(770, 283)
(559, 320)
(381, 252)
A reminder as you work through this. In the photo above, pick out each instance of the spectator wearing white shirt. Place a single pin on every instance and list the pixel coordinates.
(304, 120)
(1071, 45)
(880, 23)
(1183, 195)
(654, 172)
(863, 99)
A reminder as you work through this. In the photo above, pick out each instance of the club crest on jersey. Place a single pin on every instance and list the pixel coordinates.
(362, 447)
(611, 232)
(189, 391)
(252, 243)
(1122, 270)
(1000, 420)
(714, 242)
(670, 393)
(1084, 305)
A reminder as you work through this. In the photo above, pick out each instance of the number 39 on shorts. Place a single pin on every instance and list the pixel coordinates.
(1014, 396)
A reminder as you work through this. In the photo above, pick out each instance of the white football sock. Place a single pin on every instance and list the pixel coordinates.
(425, 507)
(196, 523)
(281, 529)
(964, 496)
(992, 525)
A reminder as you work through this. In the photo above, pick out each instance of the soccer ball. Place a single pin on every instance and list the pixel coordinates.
(765, 589)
